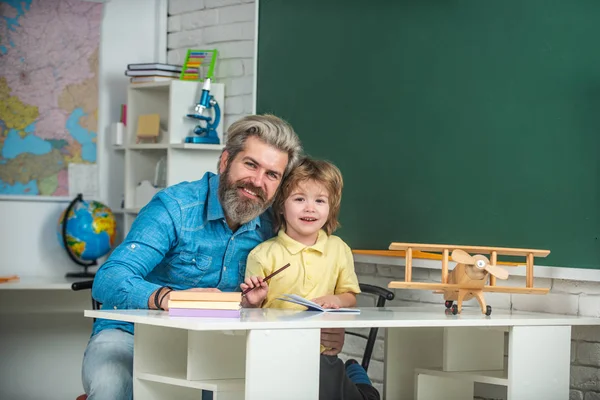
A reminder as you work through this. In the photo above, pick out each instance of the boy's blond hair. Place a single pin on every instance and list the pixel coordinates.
(320, 171)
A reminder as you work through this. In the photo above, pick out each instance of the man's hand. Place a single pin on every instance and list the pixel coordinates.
(164, 299)
(333, 340)
(255, 297)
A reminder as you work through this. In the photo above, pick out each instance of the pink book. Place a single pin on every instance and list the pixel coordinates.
(191, 312)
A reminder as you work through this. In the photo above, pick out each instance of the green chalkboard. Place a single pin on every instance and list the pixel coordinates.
(453, 121)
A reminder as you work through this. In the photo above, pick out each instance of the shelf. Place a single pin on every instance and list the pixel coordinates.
(163, 85)
(198, 146)
(490, 377)
(162, 146)
(172, 100)
(178, 379)
(152, 146)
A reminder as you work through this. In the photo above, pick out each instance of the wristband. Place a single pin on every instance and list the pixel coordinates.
(156, 302)
(169, 290)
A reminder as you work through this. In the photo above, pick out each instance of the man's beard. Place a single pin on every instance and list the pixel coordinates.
(239, 209)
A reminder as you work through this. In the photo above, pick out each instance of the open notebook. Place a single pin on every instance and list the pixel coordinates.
(292, 298)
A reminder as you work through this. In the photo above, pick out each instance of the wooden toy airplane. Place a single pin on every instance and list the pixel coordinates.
(469, 277)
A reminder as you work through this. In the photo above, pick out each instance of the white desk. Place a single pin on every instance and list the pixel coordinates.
(43, 335)
(272, 354)
(41, 283)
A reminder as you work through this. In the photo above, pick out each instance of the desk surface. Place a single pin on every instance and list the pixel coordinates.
(423, 316)
(41, 283)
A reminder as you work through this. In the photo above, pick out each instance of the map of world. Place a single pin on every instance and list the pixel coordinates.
(48, 92)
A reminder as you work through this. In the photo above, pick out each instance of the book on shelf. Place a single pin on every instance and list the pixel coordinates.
(186, 295)
(151, 72)
(142, 79)
(312, 306)
(158, 66)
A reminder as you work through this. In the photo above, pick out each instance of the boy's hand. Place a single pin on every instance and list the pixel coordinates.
(255, 297)
(333, 340)
(327, 301)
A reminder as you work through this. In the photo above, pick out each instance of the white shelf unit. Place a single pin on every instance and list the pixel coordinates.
(172, 100)
(466, 356)
(176, 363)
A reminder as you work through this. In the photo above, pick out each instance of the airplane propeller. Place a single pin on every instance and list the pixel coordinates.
(479, 262)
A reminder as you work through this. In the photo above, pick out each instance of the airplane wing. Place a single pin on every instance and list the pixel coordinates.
(423, 286)
(516, 290)
(421, 255)
(454, 287)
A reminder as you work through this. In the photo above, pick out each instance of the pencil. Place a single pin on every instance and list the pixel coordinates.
(267, 278)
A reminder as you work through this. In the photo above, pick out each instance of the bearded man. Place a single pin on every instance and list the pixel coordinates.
(191, 236)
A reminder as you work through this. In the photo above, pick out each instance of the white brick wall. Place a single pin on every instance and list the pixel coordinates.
(229, 27)
(565, 297)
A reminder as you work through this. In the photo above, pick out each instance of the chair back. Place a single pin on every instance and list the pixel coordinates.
(383, 295)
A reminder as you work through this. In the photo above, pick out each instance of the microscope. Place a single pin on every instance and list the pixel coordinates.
(205, 134)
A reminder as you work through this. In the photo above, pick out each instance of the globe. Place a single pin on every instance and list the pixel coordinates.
(90, 231)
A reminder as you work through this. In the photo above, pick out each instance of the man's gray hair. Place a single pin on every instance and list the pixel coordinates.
(272, 130)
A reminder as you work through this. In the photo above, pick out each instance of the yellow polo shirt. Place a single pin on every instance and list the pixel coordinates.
(325, 268)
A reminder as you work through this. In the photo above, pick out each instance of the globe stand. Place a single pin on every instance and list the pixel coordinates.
(85, 265)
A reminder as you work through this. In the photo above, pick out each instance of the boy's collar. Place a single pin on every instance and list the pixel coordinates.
(295, 247)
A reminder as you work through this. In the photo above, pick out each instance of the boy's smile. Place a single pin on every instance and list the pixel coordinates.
(306, 211)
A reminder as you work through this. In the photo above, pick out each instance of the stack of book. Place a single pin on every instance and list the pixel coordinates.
(152, 72)
(205, 304)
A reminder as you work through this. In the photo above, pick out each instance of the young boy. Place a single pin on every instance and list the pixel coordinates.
(321, 265)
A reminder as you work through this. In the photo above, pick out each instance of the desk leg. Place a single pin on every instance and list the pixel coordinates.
(405, 350)
(539, 363)
(282, 364)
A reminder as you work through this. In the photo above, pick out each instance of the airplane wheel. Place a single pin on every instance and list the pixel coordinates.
(488, 310)
(454, 309)
(449, 303)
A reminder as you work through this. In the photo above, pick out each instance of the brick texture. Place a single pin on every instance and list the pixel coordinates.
(229, 27)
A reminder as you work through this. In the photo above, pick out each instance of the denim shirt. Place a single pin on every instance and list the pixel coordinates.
(179, 239)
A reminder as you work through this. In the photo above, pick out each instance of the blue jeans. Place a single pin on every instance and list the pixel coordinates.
(107, 371)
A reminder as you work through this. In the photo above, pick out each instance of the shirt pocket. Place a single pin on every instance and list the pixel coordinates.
(188, 269)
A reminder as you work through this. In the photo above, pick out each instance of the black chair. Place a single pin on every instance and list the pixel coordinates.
(85, 285)
(383, 295)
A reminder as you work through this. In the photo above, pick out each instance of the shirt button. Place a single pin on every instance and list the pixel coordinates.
(115, 307)
(193, 260)
(224, 268)
(133, 246)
